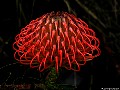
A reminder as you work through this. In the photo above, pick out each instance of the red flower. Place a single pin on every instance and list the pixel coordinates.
(58, 39)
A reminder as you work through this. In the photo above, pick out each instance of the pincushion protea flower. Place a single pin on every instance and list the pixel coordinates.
(58, 39)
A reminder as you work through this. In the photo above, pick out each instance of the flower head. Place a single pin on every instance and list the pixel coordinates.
(58, 39)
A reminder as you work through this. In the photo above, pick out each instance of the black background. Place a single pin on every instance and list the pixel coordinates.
(102, 72)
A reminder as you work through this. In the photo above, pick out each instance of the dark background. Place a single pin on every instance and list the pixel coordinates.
(101, 15)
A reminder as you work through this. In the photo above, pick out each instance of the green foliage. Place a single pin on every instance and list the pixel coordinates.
(51, 79)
